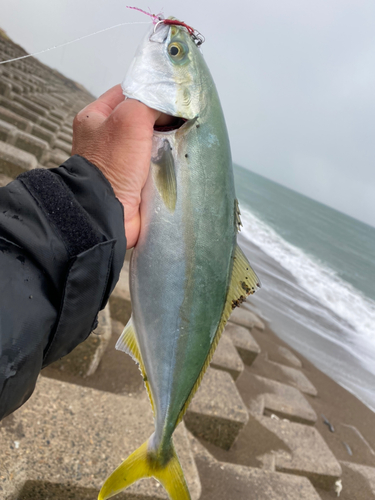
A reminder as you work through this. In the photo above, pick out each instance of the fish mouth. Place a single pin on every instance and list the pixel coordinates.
(175, 124)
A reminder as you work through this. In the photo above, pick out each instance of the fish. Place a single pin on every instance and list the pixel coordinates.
(187, 272)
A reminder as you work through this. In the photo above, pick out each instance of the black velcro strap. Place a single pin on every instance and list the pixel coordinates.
(60, 207)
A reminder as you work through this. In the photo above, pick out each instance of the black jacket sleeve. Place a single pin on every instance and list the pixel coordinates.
(62, 246)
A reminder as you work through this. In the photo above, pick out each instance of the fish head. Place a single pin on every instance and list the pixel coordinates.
(168, 72)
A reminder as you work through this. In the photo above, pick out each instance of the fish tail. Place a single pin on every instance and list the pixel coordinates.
(145, 463)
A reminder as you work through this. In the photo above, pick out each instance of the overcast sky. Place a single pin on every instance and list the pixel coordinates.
(296, 78)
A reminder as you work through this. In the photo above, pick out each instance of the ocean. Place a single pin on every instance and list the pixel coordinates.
(317, 269)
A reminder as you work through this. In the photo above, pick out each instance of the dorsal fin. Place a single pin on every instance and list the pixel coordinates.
(243, 282)
(237, 215)
(128, 343)
(165, 175)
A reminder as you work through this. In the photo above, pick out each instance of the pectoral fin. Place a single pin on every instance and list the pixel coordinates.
(165, 175)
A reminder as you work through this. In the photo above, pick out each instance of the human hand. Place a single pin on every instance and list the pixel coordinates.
(116, 135)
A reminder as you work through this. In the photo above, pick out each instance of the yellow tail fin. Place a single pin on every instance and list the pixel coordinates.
(142, 464)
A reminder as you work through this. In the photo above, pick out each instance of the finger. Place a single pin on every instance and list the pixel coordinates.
(164, 120)
(105, 104)
(112, 97)
(134, 115)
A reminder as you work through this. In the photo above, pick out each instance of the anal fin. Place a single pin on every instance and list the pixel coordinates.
(128, 343)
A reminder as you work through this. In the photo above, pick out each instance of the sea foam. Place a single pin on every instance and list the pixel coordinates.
(319, 280)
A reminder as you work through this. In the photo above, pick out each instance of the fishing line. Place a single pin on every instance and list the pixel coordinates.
(72, 41)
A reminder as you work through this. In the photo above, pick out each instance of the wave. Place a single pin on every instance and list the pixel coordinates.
(316, 279)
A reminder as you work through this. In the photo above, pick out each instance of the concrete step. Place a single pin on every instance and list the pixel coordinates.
(58, 114)
(120, 298)
(266, 397)
(57, 157)
(309, 454)
(13, 161)
(63, 146)
(67, 439)
(244, 342)
(227, 358)
(62, 136)
(285, 357)
(10, 117)
(45, 123)
(67, 129)
(358, 481)
(19, 109)
(284, 374)
(41, 101)
(5, 88)
(244, 317)
(217, 412)
(44, 134)
(15, 87)
(30, 105)
(27, 142)
(231, 481)
(6, 130)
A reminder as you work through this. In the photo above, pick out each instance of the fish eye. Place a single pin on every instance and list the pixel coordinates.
(177, 51)
(174, 51)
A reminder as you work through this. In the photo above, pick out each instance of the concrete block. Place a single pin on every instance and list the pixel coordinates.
(85, 358)
(4, 180)
(227, 358)
(16, 87)
(285, 356)
(55, 120)
(5, 88)
(266, 397)
(9, 116)
(36, 108)
(119, 300)
(63, 146)
(58, 114)
(62, 136)
(14, 161)
(244, 342)
(31, 144)
(68, 130)
(43, 122)
(44, 134)
(244, 317)
(231, 481)
(290, 376)
(18, 109)
(67, 439)
(217, 412)
(39, 99)
(57, 157)
(309, 454)
(5, 130)
(358, 481)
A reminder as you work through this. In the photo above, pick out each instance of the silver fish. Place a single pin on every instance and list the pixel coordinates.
(187, 273)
